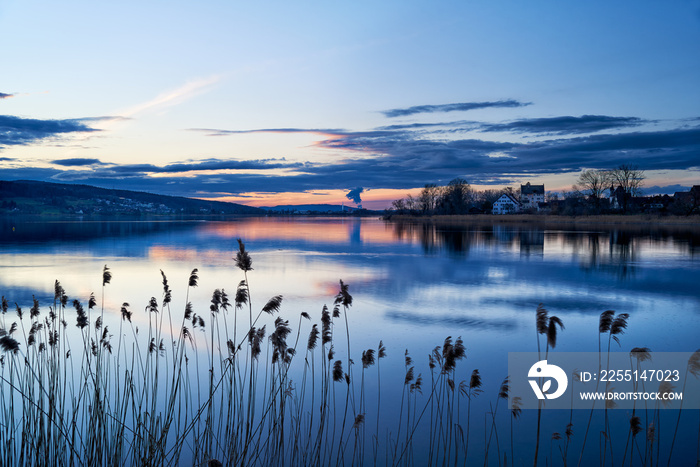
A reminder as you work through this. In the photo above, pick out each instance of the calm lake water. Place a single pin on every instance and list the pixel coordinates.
(413, 285)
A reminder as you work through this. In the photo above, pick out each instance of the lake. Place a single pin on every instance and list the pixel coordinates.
(412, 286)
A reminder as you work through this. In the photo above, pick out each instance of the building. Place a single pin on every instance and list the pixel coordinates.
(618, 197)
(688, 196)
(531, 196)
(506, 204)
(687, 202)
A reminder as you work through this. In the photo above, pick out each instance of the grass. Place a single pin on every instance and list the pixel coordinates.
(205, 391)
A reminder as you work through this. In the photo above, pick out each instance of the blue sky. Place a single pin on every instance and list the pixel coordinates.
(298, 102)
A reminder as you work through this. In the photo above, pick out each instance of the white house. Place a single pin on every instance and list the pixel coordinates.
(531, 196)
(506, 204)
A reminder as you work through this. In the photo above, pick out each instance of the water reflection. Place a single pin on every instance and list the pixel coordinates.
(25, 230)
(462, 322)
(413, 283)
(481, 264)
(610, 250)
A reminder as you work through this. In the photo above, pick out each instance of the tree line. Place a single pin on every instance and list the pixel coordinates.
(457, 197)
(622, 185)
(596, 191)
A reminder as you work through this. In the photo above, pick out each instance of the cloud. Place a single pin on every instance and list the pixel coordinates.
(173, 97)
(21, 131)
(6, 159)
(5, 95)
(399, 157)
(206, 165)
(401, 162)
(655, 150)
(464, 125)
(565, 125)
(217, 132)
(464, 106)
(354, 196)
(112, 118)
(77, 162)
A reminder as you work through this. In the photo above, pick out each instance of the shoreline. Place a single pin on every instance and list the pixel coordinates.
(635, 220)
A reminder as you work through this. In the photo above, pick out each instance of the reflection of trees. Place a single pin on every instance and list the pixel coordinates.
(622, 253)
(458, 239)
(623, 246)
(686, 241)
(434, 238)
(586, 246)
(451, 239)
(22, 231)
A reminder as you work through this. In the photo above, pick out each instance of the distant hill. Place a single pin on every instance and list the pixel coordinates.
(309, 208)
(34, 197)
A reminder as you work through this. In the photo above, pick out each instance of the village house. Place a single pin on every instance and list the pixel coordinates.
(506, 204)
(531, 196)
(687, 202)
(688, 196)
(617, 197)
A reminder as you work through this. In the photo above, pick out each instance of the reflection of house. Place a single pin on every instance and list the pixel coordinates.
(531, 196)
(506, 204)
(531, 242)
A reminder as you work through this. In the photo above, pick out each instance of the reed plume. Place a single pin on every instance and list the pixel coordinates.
(242, 258)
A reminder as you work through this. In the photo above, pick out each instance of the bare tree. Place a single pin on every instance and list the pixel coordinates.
(399, 205)
(411, 204)
(428, 198)
(630, 178)
(594, 183)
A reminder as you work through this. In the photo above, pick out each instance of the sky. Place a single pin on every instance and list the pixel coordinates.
(268, 103)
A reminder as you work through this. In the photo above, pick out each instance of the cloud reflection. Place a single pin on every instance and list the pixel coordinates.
(465, 322)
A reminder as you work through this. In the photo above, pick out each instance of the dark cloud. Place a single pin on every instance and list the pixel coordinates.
(354, 196)
(209, 164)
(463, 125)
(464, 106)
(4, 159)
(658, 150)
(20, 131)
(5, 95)
(76, 162)
(565, 125)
